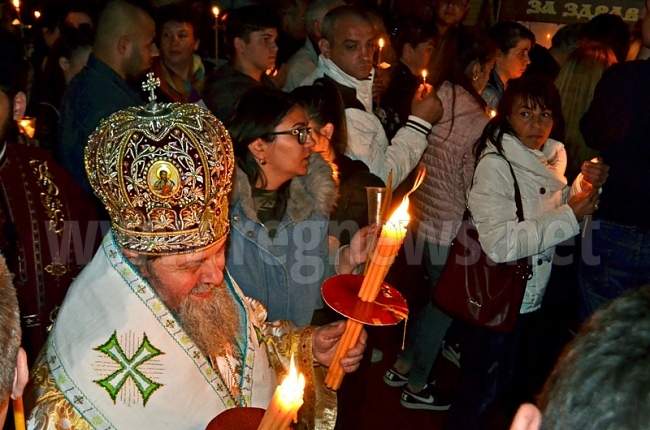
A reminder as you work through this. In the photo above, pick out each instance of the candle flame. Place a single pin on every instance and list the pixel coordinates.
(424, 74)
(16, 4)
(381, 43)
(37, 14)
(292, 388)
(493, 113)
(398, 221)
(215, 11)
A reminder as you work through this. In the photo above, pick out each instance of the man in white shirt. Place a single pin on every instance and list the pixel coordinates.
(347, 49)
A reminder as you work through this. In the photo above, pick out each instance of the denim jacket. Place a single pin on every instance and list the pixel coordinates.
(285, 272)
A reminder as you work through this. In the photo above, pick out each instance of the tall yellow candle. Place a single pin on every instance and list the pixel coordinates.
(388, 245)
(286, 401)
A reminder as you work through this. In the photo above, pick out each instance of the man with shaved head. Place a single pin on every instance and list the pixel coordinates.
(347, 47)
(123, 49)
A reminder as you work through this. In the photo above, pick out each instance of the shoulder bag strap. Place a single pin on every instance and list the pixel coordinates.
(518, 203)
(520, 207)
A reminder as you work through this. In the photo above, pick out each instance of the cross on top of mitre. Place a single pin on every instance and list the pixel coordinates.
(150, 85)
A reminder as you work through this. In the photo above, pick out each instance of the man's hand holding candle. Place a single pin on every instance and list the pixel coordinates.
(426, 104)
(326, 340)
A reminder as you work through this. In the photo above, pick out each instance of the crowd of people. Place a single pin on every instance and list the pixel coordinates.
(168, 223)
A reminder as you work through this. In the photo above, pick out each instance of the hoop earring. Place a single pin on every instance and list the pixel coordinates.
(262, 162)
(475, 78)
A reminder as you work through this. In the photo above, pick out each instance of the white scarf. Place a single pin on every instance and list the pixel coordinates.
(364, 88)
(121, 359)
(546, 166)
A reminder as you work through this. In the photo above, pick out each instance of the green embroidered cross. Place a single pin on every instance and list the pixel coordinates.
(129, 368)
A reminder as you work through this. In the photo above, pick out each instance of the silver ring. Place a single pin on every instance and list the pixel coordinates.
(595, 207)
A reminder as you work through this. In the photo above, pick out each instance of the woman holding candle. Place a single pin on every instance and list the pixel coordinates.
(440, 202)
(280, 208)
(413, 43)
(519, 138)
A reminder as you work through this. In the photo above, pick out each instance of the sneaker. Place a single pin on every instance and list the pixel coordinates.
(451, 353)
(422, 400)
(393, 378)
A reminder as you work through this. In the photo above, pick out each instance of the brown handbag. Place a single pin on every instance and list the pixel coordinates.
(474, 288)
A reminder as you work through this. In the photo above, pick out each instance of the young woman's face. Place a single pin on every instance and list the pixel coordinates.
(321, 141)
(512, 65)
(285, 156)
(532, 125)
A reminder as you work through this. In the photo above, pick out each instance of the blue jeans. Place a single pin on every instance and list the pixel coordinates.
(428, 328)
(624, 253)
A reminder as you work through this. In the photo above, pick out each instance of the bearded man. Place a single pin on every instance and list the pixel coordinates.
(154, 333)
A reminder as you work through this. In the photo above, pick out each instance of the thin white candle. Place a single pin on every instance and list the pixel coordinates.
(215, 12)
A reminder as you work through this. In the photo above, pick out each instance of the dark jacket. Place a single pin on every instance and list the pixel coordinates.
(618, 124)
(226, 86)
(396, 102)
(95, 93)
(352, 205)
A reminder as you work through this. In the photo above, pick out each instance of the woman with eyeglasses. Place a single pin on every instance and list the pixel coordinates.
(279, 209)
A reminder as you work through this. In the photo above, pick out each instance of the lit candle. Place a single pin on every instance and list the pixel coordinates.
(19, 414)
(215, 12)
(389, 243)
(16, 4)
(424, 76)
(383, 256)
(37, 14)
(286, 401)
(27, 126)
(381, 46)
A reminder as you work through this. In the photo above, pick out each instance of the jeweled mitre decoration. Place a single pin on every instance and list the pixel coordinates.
(164, 173)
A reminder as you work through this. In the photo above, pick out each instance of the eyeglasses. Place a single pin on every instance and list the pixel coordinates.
(300, 133)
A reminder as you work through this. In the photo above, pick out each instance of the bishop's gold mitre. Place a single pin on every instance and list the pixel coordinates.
(163, 172)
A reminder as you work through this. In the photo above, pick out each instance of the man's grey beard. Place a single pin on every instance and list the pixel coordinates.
(212, 323)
